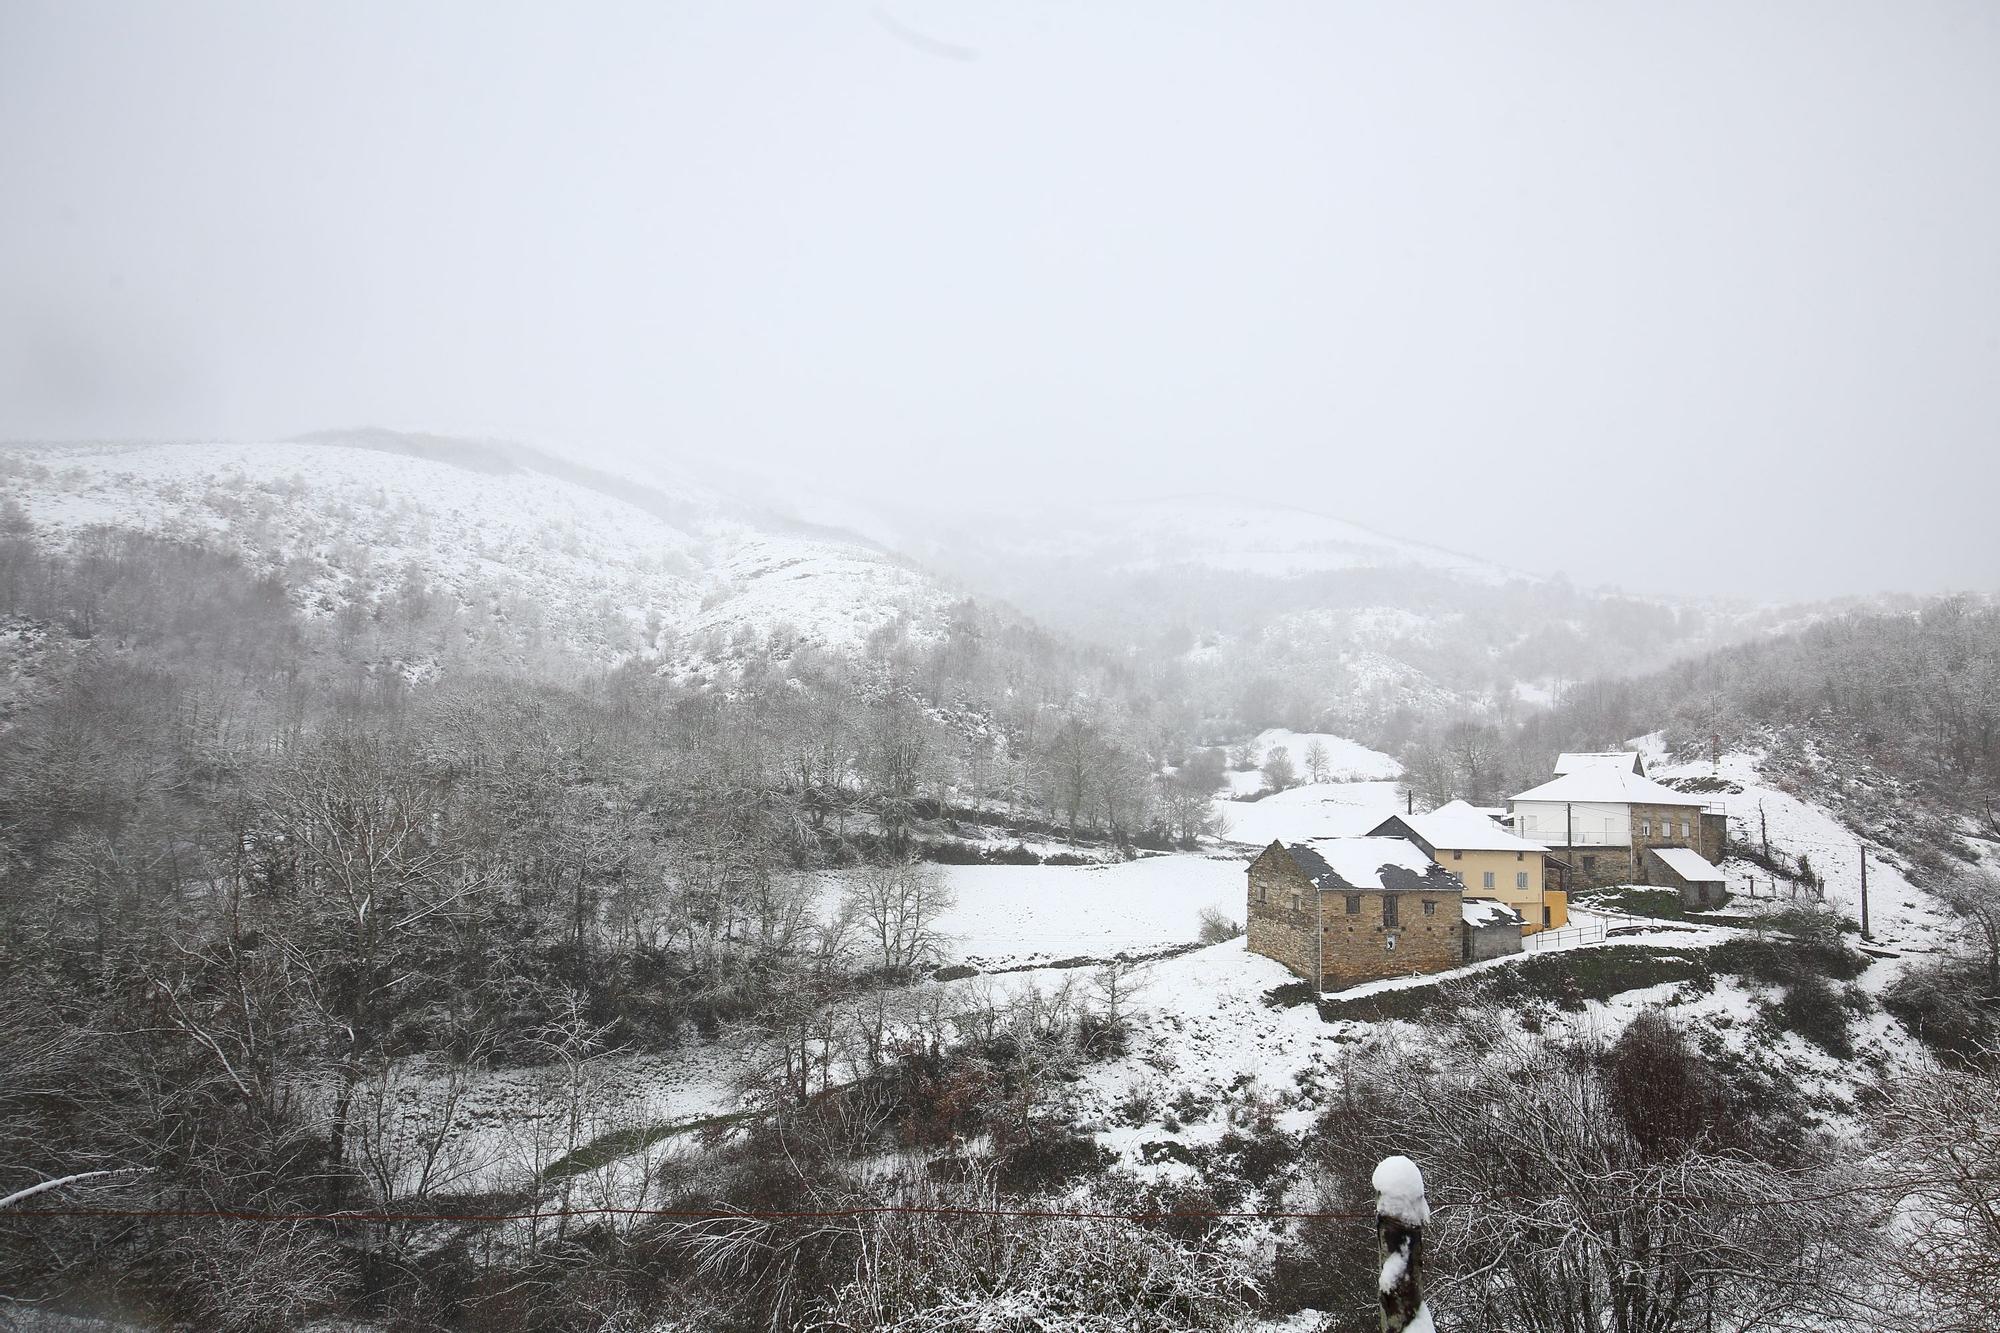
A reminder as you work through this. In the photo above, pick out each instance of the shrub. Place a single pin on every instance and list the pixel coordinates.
(1945, 1011)
(1813, 1009)
(1218, 927)
(1664, 1092)
(1049, 1155)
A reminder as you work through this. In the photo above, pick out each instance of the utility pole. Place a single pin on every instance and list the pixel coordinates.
(1864, 893)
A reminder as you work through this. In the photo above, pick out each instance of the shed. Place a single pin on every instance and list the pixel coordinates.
(1682, 868)
(1491, 928)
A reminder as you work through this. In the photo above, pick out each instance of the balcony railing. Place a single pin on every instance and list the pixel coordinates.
(1559, 837)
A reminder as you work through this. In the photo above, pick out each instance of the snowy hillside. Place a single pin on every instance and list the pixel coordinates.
(606, 571)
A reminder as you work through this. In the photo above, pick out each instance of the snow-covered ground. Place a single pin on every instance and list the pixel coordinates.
(1207, 1043)
(1012, 916)
(1899, 913)
(1322, 810)
(1346, 760)
(608, 575)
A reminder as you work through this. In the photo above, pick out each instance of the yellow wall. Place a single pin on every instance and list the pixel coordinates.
(1472, 867)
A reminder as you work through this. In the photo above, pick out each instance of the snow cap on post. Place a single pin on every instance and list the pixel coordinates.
(1400, 1183)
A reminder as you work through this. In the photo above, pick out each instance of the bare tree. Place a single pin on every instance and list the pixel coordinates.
(1940, 1159)
(1279, 773)
(1975, 895)
(1319, 762)
(896, 907)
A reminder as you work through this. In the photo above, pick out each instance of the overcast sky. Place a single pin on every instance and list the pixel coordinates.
(1687, 297)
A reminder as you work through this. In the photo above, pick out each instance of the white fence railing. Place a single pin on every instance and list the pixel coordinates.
(1566, 937)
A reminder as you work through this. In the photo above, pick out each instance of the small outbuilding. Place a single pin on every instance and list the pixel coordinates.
(1682, 868)
(1492, 928)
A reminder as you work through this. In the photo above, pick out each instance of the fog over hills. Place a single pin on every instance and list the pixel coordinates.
(1285, 611)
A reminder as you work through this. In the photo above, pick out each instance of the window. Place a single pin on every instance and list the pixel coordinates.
(1645, 828)
(1520, 879)
(1389, 914)
(1458, 856)
(1545, 916)
(1354, 904)
(1589, 865)
(1487, 881)
(1520, 856)
(1390, 944)
(1684, 830)
(1430, 908)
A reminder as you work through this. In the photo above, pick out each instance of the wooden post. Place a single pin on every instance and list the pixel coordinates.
(1764, 824)
(1864, 893)
(1401, 1210)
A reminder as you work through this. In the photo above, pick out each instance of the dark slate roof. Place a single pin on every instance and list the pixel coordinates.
(1372, 865)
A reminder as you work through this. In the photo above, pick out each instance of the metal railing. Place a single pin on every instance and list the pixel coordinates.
(1565, 937)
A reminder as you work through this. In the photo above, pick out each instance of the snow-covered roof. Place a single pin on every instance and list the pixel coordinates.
(1456, 826)
(1483, 912)
(1607, 784)
(1571, 761)
(1690, 865)
(1375, 864)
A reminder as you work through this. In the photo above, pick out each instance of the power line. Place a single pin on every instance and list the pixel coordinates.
(887, 1210)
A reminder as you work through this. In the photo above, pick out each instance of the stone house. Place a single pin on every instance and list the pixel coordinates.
(1340, 911)
(1600, 819)
(1489, 860)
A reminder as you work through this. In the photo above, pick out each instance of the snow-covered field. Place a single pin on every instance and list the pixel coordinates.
(1009, 915)
(1322, 810)
(1361, 792)
(1346, 760)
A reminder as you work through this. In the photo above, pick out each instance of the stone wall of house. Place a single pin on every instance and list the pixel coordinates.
(1660, 826)
(1281, 916)
(1358, 943)
(1714, 837)
(1597, 867)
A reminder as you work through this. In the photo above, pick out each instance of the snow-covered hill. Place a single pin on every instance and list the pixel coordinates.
(604, 566)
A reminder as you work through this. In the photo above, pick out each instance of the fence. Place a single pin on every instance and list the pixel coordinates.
(1568, 937)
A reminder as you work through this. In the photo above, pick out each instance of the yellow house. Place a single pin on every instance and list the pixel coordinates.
(1489, 860)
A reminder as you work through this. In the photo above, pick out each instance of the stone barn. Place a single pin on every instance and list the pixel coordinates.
(1347, 910)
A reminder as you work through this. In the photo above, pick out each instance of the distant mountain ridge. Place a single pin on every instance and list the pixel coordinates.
(1268, 612)
(565, 556)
